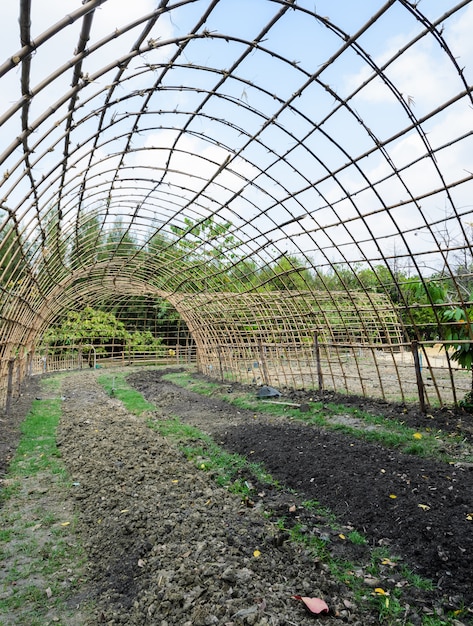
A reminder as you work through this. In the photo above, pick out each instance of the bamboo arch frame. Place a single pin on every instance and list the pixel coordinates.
(165, 133)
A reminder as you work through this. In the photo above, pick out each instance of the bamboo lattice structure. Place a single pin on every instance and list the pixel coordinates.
(277, 190)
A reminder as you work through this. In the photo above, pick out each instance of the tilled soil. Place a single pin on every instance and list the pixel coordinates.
(421, 510)
(166, 546)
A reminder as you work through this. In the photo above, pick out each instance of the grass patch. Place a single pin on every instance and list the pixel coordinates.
(185, 379)
(389, 433)
(230, 470)
(42, 560)
(357, 538)
(37, 449)
(116, 387)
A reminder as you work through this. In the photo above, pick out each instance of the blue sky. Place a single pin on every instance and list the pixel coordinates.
(288, 170)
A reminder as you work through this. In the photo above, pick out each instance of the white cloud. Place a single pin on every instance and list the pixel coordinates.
(458, 35)
(424, 73)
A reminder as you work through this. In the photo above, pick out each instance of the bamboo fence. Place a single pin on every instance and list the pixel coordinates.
(291, 191)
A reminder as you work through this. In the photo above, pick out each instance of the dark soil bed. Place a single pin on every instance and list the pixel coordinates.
(357, 480)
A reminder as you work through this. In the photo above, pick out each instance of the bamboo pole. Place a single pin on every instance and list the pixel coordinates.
(418, 369)
(11, 364)
(320, 378)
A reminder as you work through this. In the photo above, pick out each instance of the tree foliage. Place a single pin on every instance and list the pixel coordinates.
(100, 329)
(11, 257)
(457, 331)
(205, 255)
(86, 242)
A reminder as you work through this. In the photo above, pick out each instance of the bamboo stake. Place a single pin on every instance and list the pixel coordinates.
(320, 379)
(420, 382)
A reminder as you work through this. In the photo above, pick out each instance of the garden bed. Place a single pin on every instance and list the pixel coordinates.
(166, 545)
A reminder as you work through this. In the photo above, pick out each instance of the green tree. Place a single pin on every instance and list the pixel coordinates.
(12, 259)
(205, 251)
(288, 272)
(420, 307)
(119, 241)
(51, 248)
(207, 238)
(86, 242)
(100, 329)
(457, 331)
(243, 275)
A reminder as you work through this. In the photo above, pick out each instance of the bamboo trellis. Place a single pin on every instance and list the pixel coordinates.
(293, 179)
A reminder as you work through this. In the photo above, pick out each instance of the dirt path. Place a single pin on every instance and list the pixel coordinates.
(167, 546)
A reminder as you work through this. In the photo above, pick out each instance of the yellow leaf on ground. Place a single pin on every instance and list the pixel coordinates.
(379, 591)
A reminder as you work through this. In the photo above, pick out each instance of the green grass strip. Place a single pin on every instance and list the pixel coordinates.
(41, 556)
(388, 432)
(116, 387)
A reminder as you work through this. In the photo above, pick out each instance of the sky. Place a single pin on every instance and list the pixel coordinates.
(294, 131)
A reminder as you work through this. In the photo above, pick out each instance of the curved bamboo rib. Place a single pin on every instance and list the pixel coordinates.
(285, 199)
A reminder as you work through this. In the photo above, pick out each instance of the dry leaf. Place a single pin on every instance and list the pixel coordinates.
(141, 563)
(246, 612)
(379, 591)
(316, 606)
(49, 593)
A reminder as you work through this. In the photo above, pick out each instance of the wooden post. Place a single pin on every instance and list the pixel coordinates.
(320, 377)
(19, 376)
(264, 369)
(219, 352)
(420, 382)
(11, 363)
(29, 367)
